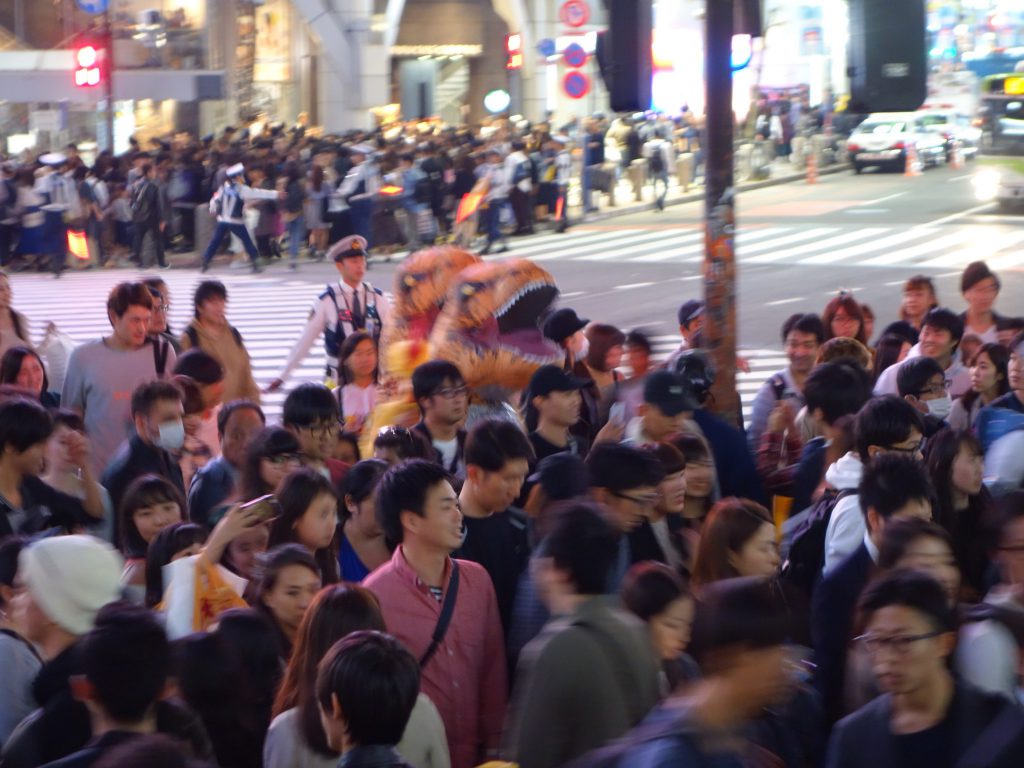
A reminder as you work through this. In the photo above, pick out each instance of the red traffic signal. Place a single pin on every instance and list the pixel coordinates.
(87, 67)
(514, 49)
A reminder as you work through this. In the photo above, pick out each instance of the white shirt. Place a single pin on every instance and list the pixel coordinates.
(958, 377)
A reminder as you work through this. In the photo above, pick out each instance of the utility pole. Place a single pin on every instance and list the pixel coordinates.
(108, 34)
(719, 329)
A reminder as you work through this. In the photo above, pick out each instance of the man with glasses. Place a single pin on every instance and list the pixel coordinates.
(443, 399)
(926, 716)
(895, 485)
(310, 413)
(884, 425)
(625, 479)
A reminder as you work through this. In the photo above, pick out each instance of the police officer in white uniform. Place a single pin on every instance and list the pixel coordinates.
(228, 204)
(342, 309)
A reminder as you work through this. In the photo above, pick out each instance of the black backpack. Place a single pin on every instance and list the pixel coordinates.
(657, 162)
(806, 556)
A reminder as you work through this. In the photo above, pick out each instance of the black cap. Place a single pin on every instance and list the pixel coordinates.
(551, 378)
(563, 323)
(690, 310)
(561, 476)
(670, 393)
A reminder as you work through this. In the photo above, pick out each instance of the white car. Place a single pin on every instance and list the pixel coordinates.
(952, 126)
(884, 139)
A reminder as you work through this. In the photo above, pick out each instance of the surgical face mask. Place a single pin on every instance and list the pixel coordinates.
(940, 407)
(172, 435)
(584, 349)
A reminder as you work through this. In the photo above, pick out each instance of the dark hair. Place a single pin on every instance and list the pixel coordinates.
(230, 408)
(649, 588)
(124, 295)
(694, 449)
(275, 560)
(582, 542)
(348, 347)
(621, 467)
(206, 290)
(62, 417)
(804, 323)
(360, 482)
(162, 549)
(974, 273)
(200, 366)
(887, 352)
(149, 750)
(404, 488)
(250, 637)
(1000, 357)
(144, 491)
(842, 348)
(738, 614)
(10, 550)
(299, 490)
(838, 388)
(602, 338)
(904, 330)
(376, 681)
(913, 375)
(638, 338)
(309, 404)
(848, 304)
(269, 441)
(670, 457)
(10, 366)
(126, 657)
(908, 589)
(407, 443)
(885, 421)
(900, 534)
(729, 526)
(920, 283)
(945, 320)
(191, 395)
(336, 612)
(23, 423)
(429, 377)
(492, 443)
(891, 481)
(147, 394)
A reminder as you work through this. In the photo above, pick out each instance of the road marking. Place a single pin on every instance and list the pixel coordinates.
(842, 239)
(956, 216)
(858, 250)
(962, 178)
(862, 211)
(780, 302)
(976, 251)
(902, 255)
(808, 234)
(672, 239)
(882, 199)
(631, 286)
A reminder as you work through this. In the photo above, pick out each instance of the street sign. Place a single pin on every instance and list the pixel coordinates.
(574, 55)
(546, 47)
(94, 6)
(574, 13)
(576, 85)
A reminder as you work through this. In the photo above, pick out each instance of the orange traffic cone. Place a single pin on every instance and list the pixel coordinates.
(812, 168)
(956, 155)
(913, 166)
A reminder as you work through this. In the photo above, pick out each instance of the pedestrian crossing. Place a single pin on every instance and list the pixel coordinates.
(269, 311)
(919, 247)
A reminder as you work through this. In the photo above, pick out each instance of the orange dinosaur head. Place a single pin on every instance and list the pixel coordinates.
(489, 325)
(421, 284)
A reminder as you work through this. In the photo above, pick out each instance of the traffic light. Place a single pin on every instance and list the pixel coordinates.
(88, 66)
(624, 55)
(888, 55)
(514, 51)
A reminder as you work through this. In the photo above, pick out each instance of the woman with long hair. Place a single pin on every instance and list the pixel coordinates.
(22, 367)
(272, 454)
(844, 318)
(738, 539)
(357, 395)
(296, 738)
(287, 579)
(990, 378)
(308, 506)
(150, 504)
(361, 547)
(13, 324)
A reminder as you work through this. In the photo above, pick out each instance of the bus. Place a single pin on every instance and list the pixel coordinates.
(1002, 113)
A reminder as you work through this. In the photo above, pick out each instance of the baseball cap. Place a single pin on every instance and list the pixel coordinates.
(235, 170)
(561, 476)
(563, 323)
(551, 378)
(353, 245)
(669, 393)
(690, 310)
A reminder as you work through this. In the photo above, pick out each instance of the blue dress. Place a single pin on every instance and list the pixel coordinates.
(351, 567)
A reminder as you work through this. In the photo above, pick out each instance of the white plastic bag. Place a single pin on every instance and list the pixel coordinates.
(55, 349)
(179, 602)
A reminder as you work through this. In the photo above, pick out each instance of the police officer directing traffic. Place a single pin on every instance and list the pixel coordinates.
(342, 309)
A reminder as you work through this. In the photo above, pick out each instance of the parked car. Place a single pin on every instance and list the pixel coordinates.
(884, 139)
(953, 127)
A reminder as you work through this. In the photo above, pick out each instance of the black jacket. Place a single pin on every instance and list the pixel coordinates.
(987, 731)
(133, 459)
(372, 757)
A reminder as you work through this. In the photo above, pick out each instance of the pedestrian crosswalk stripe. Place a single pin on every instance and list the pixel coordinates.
(818, 245)
(981, 249)
(612, 253)
(855, 251)
(796, 237)
(929, 246)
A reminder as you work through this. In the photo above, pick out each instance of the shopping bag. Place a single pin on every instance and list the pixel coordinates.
(196, 593)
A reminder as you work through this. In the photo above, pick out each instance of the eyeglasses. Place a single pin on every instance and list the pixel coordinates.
(450, 393)
(936, 389)
(325, 429)
(162, 308)
(284, 458)
(915, 448)
(898, 644)
(641, 501)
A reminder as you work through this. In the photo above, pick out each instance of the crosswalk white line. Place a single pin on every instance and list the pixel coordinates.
(818, 245)
(980, 249)
(855, 251)
(604, 246)
(741, 240)
(611, 253)
(796, 237)
(907, 255)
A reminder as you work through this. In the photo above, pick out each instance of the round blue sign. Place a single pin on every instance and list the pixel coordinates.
(546, 47)
(576, 85)
(574, 55)
(94, 6)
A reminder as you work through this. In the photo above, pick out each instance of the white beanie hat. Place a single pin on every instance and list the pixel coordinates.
(70, 578)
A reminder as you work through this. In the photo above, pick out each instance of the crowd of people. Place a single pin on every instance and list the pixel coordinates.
(616, 576)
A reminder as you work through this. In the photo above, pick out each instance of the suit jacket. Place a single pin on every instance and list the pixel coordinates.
(987, 732)
(832, 615)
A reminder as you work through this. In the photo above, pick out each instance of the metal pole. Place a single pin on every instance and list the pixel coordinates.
(109, 35)
(719, 330)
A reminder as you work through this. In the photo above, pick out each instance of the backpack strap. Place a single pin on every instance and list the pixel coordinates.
(237, 336)
(447, 609)
(193, 335)
(160, 352)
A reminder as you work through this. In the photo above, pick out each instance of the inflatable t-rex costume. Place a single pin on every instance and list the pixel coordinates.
(481, 316)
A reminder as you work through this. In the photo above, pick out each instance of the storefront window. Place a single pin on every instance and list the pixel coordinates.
(165, 34)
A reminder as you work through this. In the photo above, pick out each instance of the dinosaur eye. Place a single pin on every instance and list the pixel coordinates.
(469, 289)
(410, 281)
